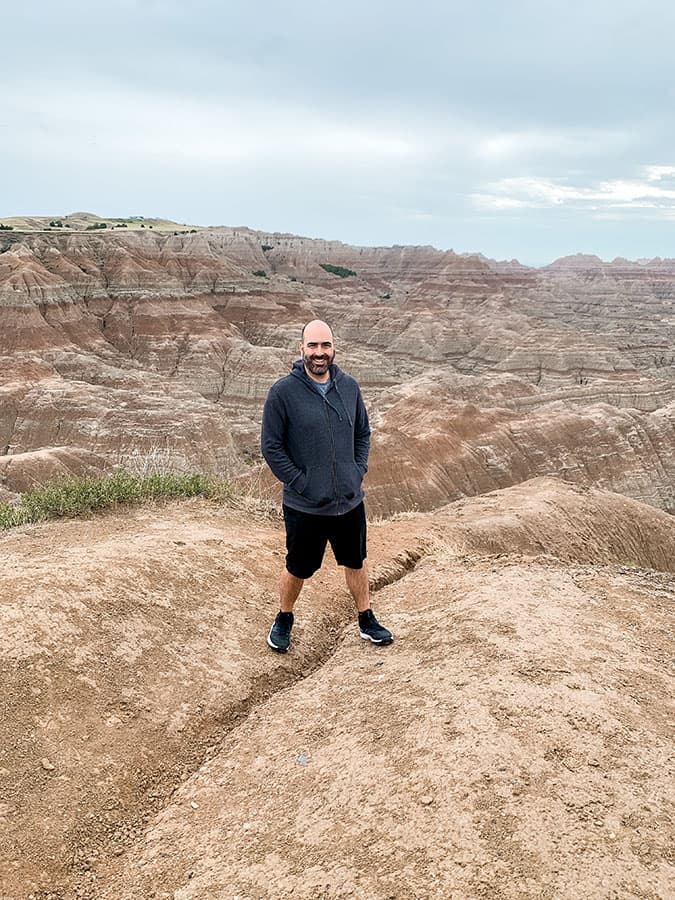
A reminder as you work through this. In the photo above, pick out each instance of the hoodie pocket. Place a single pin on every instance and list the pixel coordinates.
(299, 484)
(351, 480)
(317, 486)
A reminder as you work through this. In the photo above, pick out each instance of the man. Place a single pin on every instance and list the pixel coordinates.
(315, 439)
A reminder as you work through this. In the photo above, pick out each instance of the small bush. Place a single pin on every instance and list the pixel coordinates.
(96, 226)
(56, 223)
(260, 273)
(337, 270)
(6, 227)
(266, 247)
(76, 496)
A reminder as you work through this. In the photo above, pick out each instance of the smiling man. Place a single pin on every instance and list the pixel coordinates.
(315, 439)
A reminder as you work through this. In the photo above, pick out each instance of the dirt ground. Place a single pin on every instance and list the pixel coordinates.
(515, 741)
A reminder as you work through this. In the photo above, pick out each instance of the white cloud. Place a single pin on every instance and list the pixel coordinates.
(656, 173)
(489, 201)
(546, 192)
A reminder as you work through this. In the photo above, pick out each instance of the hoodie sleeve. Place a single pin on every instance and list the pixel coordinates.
(273, 443)
(361, 435)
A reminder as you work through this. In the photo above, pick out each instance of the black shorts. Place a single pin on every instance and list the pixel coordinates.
(307, 536)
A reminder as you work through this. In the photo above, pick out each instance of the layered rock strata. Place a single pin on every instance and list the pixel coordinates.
(126, 344)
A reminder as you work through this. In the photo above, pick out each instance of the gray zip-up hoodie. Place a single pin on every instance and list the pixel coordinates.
(317, 446)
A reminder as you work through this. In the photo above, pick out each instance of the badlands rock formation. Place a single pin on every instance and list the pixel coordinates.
(140, 344)
(514, 742)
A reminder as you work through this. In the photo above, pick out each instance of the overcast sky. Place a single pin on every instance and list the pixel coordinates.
(520, 128)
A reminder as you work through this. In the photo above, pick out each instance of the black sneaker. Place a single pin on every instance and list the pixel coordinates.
(280, 633)
(371, 630)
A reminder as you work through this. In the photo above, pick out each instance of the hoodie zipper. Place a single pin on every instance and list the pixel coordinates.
(326, 404)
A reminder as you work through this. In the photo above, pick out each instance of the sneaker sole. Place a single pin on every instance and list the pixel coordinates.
(367, 637)
(274, 646)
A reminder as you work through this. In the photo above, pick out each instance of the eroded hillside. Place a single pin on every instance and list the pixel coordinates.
(118, 346)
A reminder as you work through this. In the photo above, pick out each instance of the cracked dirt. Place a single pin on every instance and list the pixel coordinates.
(514, 741)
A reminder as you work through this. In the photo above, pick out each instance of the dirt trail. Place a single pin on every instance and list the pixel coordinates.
(515, 741)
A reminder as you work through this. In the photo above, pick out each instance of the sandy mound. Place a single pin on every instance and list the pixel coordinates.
(514, 741)
(20, 472)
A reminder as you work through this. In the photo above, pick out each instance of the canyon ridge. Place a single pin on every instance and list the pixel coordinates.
(118, 345)
(516, 739)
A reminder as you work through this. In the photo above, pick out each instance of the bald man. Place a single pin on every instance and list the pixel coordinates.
(315, 439)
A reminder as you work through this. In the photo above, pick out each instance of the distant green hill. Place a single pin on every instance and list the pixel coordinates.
(83, 221)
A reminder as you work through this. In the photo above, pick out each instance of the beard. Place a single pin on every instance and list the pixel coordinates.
(318, 363)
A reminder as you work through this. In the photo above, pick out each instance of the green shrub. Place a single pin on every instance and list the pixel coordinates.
(266, 247)
(96, 226)
(6, 227)
(261, 273)
(76, 496)
(337, 270)
(56, 223)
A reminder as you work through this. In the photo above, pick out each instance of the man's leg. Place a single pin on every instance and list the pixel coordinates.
(289, 589)
(357, 582)
(349, 546)
(305, 543)
(369, 628)
(279, 637)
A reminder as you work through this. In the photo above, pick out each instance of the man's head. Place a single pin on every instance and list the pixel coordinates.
(317, 349)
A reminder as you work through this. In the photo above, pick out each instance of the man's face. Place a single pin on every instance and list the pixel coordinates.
(317, 350)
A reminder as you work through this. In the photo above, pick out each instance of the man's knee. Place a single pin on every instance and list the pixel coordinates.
(287, 572)
(300, 572)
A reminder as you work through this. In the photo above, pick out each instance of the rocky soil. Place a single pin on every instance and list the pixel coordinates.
(514, 741)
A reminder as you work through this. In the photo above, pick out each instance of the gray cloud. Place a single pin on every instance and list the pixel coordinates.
(474, 127)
